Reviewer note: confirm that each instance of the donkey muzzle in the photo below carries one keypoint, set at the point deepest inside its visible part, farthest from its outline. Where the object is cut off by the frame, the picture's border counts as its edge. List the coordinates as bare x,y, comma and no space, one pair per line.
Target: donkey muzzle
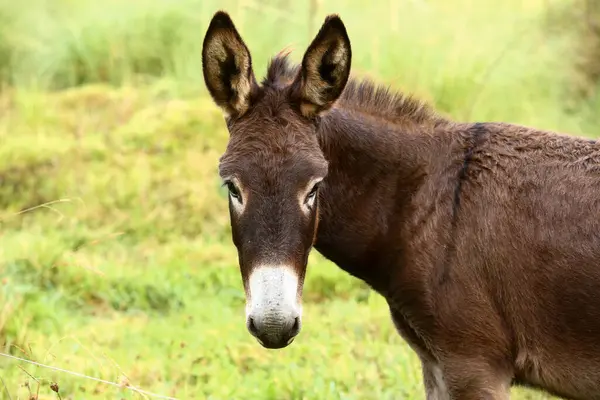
273,313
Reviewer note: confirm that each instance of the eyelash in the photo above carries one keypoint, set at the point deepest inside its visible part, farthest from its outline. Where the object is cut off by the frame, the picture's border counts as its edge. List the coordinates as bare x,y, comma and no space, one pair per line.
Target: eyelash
313,192
233,190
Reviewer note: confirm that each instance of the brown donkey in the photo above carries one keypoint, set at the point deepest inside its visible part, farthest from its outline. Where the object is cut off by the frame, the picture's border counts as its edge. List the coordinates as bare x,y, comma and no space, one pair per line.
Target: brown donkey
483,238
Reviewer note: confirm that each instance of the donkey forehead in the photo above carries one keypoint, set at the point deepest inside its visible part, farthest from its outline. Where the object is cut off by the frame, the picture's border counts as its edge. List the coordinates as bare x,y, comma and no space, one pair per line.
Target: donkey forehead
265,165
273,140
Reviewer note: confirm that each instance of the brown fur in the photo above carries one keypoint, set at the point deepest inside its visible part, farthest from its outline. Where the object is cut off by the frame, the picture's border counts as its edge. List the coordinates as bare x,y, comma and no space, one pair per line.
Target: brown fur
482,237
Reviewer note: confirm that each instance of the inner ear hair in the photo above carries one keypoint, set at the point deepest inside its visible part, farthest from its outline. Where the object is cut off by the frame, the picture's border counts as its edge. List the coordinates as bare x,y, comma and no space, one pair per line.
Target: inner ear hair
227,66
325,68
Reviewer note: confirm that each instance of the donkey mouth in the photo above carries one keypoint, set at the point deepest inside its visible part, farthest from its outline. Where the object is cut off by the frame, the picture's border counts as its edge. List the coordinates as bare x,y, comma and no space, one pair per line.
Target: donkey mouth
275,345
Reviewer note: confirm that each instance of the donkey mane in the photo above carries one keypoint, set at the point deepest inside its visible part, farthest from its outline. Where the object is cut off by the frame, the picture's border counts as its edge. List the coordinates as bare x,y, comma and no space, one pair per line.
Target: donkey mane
361,95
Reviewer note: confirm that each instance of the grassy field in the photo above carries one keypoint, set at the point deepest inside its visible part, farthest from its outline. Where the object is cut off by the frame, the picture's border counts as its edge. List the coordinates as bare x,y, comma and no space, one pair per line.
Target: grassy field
115,255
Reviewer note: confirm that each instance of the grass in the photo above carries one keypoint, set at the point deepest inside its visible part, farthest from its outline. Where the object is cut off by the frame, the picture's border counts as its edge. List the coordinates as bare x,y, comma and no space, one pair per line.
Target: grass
130,271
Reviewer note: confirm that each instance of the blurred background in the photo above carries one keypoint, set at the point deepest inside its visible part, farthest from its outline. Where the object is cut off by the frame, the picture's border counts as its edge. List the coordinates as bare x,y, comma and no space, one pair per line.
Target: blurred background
115,252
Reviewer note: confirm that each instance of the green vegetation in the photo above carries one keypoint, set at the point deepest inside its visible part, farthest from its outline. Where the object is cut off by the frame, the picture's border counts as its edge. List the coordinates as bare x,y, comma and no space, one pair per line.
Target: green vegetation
128,268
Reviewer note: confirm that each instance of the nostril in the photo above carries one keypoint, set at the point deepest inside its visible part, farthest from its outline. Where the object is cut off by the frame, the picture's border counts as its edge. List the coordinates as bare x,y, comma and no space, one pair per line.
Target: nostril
252,326
296,326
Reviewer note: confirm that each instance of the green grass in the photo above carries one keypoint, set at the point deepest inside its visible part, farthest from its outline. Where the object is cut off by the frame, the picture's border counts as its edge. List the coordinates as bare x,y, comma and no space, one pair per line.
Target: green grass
130,270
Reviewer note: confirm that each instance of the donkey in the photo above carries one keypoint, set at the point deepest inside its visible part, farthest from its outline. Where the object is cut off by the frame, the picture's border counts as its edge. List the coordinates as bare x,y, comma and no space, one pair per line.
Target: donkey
482,237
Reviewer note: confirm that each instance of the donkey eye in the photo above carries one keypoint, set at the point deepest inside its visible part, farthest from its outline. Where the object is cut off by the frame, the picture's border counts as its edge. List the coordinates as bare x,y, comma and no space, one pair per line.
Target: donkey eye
233,190
313,192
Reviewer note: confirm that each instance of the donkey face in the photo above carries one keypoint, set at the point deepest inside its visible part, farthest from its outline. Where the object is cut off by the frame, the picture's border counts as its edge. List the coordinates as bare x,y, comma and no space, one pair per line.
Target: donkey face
273,166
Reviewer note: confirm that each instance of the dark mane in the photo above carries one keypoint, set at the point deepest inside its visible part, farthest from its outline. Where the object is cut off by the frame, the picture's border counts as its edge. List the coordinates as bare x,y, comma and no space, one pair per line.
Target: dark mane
360,95
279,71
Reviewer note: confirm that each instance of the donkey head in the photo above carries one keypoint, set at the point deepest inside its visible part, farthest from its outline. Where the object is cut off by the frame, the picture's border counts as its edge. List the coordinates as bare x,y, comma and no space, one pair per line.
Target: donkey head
273,166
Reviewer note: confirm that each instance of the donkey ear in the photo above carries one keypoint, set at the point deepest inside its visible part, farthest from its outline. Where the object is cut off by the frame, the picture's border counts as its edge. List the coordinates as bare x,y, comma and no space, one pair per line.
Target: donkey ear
227,66
325,68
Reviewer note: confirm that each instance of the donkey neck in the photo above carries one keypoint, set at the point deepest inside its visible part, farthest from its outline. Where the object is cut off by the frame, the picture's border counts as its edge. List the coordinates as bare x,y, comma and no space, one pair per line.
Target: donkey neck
375,167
